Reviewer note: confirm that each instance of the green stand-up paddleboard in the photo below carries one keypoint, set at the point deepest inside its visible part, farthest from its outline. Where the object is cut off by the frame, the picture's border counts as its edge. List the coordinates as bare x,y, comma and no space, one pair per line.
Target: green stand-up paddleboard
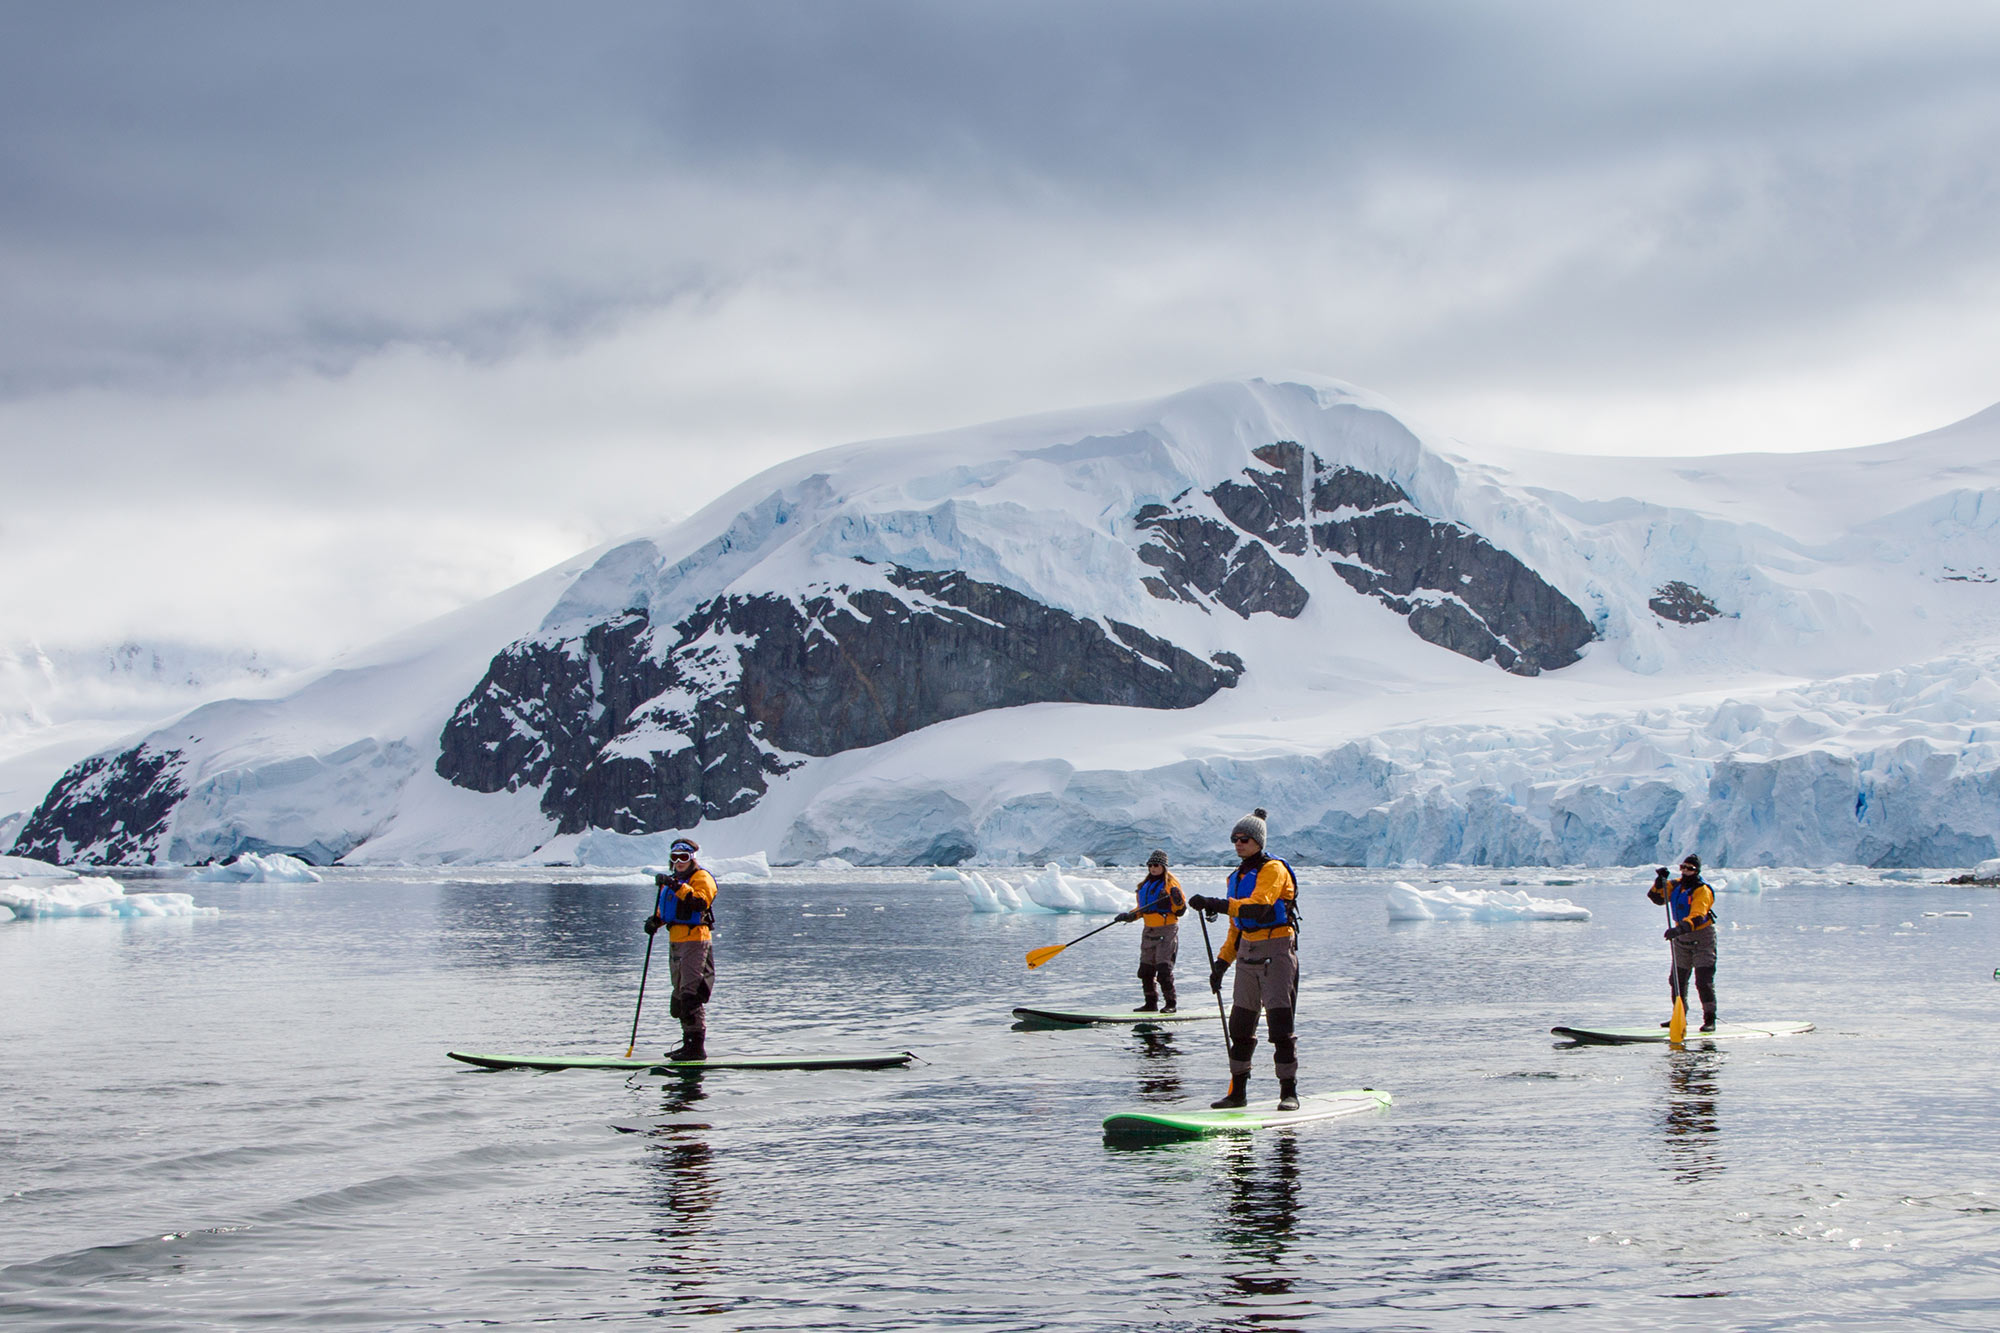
1658,1035
1138,1126
1085,1017
863,1060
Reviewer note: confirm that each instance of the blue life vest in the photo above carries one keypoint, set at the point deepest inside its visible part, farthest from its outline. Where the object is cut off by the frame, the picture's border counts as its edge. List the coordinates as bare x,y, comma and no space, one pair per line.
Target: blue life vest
1155,898
671,908
1681,900
1243,883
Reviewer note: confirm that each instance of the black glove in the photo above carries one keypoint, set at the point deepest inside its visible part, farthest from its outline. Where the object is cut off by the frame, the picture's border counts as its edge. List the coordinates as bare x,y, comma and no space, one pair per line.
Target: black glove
1201,902
1215,971
1667,934
1128,916
653,923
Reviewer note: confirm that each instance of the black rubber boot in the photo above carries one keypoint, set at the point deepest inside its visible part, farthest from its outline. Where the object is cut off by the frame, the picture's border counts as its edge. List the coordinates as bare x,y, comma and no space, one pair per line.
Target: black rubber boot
1235,1097
694,1042
1151,1006
1167,990
1288,1094
1708,1022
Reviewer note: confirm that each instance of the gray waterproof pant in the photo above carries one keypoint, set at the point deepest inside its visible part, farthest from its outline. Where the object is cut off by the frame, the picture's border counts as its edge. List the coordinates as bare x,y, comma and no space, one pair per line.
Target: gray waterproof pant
1158,947
1695,956
1267,978
692,966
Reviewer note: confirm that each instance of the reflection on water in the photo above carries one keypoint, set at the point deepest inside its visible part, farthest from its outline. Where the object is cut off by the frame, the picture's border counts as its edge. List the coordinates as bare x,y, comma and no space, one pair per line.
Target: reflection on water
1260,1212
1690,1121
682,1193
1159,1067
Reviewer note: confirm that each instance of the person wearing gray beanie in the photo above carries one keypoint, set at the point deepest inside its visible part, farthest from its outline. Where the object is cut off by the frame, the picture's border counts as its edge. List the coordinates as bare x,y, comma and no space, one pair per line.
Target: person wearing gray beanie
1161,906
1262,907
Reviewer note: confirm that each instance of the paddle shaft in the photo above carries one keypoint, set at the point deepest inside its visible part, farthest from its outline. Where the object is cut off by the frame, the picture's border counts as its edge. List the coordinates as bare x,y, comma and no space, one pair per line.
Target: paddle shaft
644,968
1677,1021
1034,962
1219,1012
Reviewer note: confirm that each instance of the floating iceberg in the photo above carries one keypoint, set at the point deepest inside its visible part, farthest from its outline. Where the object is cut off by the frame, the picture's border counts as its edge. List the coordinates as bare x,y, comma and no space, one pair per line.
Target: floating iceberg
1746,881
1058,892
1049,891
739,869
1407,902
86,895
253,868
1987,869
990,893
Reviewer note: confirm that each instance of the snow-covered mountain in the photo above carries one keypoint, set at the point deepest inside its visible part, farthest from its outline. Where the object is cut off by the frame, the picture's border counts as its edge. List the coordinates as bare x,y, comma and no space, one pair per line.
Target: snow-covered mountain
1105,630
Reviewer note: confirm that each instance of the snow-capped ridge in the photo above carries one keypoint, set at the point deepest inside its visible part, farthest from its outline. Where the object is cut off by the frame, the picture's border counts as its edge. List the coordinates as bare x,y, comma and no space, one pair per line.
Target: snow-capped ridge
1118,627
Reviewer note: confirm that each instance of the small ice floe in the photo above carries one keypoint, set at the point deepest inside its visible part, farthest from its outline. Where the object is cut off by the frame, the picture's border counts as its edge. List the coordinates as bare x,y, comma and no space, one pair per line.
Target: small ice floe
946,874
1049,891
1073,893
1752,880
1987,869
253,868
88,895
1407,902
1906,876
990,893
833,863
739,869
1965,914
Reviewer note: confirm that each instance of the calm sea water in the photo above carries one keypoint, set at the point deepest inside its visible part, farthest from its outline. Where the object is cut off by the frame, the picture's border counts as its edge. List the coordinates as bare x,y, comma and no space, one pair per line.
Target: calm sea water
249,1121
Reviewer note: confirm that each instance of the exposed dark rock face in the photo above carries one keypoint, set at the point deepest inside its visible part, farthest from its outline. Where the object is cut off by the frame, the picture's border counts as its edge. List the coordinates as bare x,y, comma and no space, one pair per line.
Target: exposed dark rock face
638,728
1200,559
109,809
1682,603
1272,505
1455,588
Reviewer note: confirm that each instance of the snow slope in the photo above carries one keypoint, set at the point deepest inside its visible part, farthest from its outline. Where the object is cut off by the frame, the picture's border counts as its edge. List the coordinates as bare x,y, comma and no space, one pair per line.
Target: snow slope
1820,689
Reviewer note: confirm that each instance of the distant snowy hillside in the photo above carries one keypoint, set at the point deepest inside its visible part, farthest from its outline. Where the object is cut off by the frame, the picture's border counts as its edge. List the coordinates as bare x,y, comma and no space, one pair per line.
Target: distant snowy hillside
1110,629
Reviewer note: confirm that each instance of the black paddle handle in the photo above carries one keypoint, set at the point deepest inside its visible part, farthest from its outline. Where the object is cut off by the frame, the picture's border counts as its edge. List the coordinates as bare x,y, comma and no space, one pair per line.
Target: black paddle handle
644,968
1088,933
1207,944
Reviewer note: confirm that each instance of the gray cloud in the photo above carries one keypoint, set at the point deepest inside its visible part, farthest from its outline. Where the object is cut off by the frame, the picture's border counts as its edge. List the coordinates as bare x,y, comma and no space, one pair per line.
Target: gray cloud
480,280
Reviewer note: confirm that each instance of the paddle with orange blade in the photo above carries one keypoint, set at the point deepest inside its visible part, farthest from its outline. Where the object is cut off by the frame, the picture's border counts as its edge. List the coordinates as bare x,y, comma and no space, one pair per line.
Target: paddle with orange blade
1036,957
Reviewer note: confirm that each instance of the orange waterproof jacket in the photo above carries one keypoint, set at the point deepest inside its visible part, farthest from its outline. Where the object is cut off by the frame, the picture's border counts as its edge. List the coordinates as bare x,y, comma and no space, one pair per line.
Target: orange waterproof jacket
1274,885
1172,898
687,905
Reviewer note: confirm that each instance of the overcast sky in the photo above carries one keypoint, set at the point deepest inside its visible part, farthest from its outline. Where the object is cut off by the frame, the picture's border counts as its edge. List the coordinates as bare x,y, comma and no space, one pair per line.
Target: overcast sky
317,322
